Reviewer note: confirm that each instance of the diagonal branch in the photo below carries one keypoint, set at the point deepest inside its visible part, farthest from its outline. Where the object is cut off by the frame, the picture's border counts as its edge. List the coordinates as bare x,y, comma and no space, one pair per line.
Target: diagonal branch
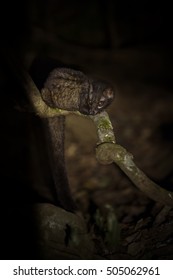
108,152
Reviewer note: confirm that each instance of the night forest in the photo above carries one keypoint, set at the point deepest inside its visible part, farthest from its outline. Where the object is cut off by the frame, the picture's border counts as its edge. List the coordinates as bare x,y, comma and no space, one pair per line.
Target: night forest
129,45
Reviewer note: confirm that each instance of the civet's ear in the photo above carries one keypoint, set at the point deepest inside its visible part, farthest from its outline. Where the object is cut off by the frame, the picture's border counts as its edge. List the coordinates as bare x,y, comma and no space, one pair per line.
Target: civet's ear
109,92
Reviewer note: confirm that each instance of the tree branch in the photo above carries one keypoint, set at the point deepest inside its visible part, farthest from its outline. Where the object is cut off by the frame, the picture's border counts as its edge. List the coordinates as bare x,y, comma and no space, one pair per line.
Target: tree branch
108,152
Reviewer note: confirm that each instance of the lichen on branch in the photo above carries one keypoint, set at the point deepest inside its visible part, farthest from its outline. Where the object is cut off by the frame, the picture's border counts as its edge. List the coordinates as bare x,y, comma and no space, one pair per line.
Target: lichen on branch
104,128
107,152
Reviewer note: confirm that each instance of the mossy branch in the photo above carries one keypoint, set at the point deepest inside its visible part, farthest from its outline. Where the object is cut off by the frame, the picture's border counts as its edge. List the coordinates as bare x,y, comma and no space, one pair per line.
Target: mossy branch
108,152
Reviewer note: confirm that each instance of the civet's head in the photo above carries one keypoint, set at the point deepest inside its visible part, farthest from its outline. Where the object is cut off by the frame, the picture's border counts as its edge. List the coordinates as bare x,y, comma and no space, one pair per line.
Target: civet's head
98,97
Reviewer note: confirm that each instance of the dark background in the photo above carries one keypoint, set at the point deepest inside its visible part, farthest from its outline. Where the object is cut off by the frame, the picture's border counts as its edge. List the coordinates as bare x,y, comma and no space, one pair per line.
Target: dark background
130,45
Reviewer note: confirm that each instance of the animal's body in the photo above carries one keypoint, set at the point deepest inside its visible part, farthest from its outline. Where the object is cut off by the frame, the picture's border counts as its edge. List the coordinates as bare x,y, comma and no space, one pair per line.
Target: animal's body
73,91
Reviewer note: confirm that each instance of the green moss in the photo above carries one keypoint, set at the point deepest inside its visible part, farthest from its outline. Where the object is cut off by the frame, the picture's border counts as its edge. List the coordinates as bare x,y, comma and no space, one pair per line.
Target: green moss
104,124
108,138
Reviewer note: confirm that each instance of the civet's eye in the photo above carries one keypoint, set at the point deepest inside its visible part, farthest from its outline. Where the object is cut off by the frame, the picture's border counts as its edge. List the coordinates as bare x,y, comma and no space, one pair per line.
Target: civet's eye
101,102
